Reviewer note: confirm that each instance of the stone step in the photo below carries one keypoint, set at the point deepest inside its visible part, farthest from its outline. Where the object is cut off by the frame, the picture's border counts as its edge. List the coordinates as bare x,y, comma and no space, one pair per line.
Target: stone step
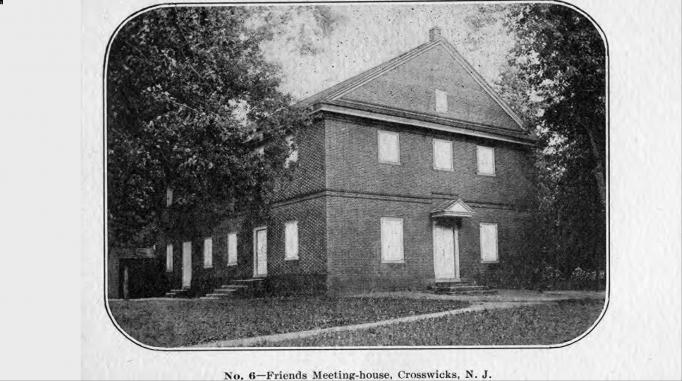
232,286
225,291
217,296
471,292
460,287
453,282
451,286
247,281
237,288
176,292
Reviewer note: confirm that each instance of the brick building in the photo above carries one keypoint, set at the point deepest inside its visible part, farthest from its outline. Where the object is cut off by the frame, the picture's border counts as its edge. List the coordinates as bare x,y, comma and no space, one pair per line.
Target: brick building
414,171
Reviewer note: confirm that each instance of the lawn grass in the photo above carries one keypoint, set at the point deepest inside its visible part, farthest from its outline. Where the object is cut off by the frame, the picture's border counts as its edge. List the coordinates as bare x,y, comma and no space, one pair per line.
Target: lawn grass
541,324
179,323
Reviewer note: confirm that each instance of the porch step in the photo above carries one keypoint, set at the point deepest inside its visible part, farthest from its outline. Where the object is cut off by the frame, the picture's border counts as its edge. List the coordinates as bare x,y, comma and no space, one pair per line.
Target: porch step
247,281
177,293
232,287
459,287
226,290
237,288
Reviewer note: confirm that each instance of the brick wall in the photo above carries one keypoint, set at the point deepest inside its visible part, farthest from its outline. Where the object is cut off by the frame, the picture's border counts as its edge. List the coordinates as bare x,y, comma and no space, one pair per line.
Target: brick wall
311,217
308,171
354,243
339,193
411,86
352,165
510,235
362,190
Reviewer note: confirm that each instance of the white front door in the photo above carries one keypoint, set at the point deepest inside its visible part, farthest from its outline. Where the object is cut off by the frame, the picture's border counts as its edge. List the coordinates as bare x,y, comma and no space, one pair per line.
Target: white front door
445,251
186,264
260,248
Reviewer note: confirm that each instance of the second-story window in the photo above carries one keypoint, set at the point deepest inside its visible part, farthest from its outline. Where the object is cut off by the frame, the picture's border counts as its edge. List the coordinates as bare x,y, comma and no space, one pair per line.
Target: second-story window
389,147
442,154
485,158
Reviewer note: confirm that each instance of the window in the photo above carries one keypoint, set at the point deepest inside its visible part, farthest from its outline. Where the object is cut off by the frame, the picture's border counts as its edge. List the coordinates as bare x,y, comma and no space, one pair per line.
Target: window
488,242
293,155
485,156
441,101
392,240
232,249
208,253
291,240
389,147
442,154
169,258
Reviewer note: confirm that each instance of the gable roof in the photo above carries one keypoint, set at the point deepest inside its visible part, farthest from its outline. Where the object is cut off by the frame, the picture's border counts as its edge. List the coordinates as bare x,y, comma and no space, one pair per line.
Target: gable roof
342,87
343,98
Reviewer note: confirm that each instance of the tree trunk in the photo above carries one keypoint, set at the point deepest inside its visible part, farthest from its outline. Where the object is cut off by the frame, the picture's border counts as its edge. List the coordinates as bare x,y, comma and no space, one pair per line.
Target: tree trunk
598,171
599,176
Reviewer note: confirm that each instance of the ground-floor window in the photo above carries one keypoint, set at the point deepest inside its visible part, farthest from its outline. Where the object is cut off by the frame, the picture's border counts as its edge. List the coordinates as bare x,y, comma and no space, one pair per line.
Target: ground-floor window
208,253
169,257
291,240
488,242
392,240
232,249
260,251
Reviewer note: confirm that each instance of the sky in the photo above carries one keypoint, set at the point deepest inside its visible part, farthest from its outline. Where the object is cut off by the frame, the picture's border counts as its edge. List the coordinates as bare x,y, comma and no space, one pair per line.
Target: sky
365,35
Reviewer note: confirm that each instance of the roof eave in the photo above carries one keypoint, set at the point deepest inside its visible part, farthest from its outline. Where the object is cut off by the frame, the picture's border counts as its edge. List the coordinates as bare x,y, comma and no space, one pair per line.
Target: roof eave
424,121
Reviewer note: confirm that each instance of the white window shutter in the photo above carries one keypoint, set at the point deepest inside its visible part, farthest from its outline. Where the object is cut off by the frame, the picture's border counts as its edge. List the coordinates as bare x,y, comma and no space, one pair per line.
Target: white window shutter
486,160
392,239
441,101
488,234
208,253
169,257
442,154
389,147
291,240
232,249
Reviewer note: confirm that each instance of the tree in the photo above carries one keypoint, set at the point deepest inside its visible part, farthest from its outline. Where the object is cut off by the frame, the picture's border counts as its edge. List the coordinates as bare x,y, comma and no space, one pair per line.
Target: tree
189,99
555,79
561,55
556,73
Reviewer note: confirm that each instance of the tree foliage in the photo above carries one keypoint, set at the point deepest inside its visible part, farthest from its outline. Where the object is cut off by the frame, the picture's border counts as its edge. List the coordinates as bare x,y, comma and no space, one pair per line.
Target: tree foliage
556,77
189,97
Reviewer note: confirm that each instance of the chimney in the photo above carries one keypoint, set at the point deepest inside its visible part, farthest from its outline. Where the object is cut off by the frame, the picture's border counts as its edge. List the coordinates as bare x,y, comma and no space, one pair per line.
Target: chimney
434,34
